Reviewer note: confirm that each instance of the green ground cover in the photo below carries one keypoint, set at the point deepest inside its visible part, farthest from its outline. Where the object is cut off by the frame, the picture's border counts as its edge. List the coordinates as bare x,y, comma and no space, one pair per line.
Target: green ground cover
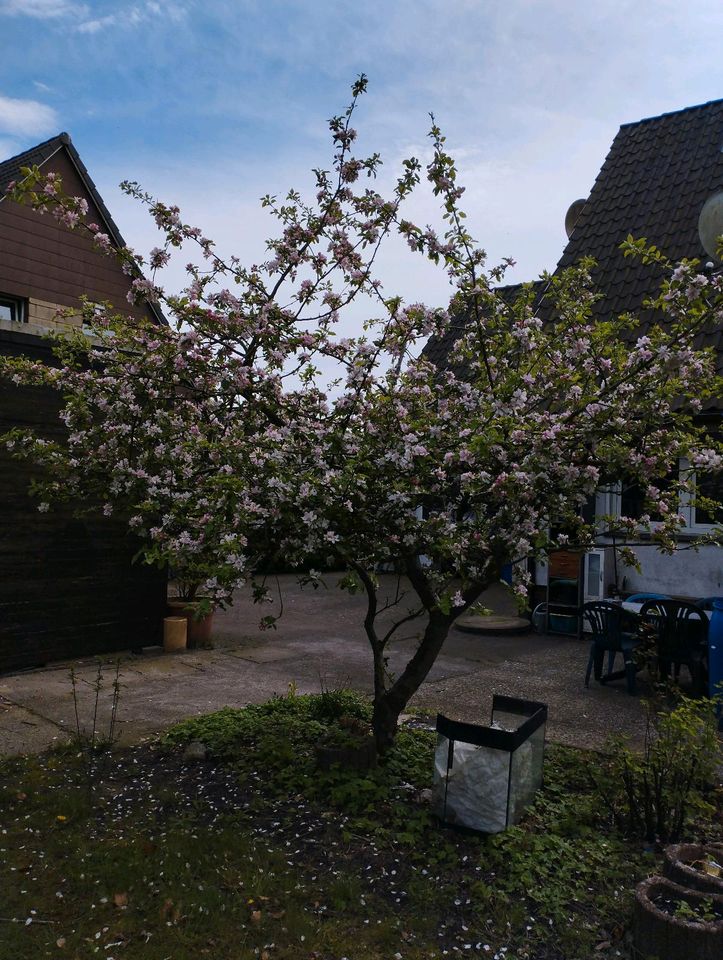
255,853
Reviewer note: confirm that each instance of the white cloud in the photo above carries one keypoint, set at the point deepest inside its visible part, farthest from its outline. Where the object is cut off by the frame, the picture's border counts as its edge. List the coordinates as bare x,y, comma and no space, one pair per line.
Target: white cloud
42,9
129,15
26,117
93,26
132,16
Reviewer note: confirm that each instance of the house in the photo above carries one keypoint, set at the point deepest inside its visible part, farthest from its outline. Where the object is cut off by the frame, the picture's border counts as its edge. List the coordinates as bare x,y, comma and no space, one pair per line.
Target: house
67,585
654,182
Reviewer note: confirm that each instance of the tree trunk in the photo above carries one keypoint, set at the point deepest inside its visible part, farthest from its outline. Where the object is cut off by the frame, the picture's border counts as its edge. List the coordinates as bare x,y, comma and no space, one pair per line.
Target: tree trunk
388,704
384,724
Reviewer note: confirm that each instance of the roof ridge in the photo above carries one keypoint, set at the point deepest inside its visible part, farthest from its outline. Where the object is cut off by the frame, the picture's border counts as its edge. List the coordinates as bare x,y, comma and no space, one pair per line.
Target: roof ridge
40,154
518,283
672,113
60,139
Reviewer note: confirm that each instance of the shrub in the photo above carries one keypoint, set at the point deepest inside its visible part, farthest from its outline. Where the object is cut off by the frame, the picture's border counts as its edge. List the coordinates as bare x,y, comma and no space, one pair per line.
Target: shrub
652,793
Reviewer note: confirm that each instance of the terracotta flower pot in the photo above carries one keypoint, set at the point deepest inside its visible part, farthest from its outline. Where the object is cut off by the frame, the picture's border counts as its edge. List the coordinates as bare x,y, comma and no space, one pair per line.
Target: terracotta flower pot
199,630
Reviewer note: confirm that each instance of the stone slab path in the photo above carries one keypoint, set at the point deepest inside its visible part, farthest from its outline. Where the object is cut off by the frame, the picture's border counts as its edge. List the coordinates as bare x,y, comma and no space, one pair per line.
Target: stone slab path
319,643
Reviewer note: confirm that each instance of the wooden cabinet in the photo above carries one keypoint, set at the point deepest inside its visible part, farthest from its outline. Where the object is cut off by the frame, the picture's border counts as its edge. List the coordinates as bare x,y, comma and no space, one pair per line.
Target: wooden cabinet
564,592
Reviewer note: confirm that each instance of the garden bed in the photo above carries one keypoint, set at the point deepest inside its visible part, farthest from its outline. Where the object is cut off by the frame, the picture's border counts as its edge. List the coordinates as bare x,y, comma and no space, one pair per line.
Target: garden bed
256,853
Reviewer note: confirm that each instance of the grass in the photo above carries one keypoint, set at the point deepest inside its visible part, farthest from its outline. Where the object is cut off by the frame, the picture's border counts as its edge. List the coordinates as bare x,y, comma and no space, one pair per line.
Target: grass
254,853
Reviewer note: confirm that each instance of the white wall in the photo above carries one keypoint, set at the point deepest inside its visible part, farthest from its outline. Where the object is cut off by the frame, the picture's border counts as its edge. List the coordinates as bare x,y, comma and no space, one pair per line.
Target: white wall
687,573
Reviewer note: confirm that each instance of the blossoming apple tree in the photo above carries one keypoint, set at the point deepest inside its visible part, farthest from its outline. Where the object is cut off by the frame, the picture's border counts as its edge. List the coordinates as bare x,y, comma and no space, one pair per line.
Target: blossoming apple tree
451,474
216,434
174,425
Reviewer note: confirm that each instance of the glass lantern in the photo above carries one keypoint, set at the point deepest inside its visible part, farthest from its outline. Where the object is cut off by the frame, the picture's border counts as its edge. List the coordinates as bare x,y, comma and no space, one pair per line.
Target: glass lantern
485,777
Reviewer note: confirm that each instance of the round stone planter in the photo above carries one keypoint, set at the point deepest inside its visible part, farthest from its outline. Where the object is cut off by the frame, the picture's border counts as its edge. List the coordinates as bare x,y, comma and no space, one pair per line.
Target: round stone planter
361,756
666,937
677,866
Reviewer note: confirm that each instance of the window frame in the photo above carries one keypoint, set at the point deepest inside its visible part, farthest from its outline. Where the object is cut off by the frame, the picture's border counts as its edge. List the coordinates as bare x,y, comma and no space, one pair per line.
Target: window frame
686,505
18,308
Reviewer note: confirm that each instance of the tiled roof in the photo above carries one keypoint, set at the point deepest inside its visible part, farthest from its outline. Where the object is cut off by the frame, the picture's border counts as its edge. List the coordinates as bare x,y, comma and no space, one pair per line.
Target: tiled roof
653,184
10,169
42,152
437,348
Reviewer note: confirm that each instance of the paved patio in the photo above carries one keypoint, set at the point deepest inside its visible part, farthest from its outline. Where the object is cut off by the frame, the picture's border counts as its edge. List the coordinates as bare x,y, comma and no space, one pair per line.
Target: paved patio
319,643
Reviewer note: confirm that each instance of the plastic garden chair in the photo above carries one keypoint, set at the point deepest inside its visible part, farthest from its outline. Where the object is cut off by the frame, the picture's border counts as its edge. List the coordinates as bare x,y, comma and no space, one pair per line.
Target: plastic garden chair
614,630
681,635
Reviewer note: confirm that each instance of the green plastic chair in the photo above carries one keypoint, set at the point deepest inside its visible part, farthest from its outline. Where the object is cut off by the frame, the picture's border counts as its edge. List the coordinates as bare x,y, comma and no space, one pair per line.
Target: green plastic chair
614,630
681,638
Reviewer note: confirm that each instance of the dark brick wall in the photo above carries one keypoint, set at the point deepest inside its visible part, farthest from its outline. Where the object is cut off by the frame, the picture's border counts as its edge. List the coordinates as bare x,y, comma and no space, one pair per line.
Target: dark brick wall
67,584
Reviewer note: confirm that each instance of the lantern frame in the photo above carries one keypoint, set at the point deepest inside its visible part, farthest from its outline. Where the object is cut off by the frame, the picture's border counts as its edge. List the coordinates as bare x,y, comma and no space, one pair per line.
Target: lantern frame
517,729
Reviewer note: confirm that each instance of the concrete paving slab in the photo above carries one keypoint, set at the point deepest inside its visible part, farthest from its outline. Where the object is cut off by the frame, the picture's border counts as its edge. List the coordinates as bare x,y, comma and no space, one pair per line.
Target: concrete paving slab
320,643
266,654
24,732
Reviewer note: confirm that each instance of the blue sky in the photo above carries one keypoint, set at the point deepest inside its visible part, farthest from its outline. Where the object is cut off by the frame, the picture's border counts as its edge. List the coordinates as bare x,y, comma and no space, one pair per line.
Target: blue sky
211,104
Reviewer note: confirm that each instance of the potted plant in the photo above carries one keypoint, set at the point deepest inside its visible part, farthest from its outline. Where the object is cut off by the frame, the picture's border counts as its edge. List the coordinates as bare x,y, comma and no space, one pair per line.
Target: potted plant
673,923
198,610
204,578
696,866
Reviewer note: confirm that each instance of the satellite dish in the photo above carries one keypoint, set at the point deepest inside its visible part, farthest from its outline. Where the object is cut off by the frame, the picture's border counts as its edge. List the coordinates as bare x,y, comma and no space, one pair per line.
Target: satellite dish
573,215
710,223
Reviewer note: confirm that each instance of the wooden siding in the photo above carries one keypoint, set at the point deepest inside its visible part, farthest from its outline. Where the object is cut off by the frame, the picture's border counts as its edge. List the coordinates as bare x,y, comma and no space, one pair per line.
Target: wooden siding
67,584
43,260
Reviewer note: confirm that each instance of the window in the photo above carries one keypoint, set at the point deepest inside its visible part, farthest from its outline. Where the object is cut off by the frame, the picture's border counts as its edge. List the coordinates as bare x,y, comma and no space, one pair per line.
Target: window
632,500
632,497
709,486
13,309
